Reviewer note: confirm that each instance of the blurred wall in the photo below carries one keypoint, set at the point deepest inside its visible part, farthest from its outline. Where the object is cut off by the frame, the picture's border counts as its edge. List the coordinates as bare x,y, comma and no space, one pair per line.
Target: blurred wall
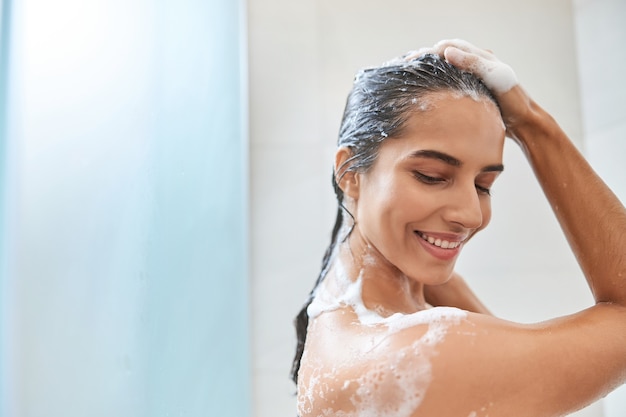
303,56
124,276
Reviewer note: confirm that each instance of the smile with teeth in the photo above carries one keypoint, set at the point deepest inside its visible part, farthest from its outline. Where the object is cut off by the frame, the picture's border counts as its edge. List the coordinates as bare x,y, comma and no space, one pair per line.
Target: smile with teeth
440,243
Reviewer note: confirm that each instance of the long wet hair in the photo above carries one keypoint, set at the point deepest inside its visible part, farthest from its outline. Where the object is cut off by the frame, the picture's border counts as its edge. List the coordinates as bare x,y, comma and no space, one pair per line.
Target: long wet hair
377,108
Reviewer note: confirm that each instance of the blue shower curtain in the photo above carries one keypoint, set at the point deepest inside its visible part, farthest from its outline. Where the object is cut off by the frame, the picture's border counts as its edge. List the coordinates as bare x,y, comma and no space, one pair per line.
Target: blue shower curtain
124,168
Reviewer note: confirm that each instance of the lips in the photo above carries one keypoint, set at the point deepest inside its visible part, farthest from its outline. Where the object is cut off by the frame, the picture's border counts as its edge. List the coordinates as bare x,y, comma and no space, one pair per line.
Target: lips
442,242
441,246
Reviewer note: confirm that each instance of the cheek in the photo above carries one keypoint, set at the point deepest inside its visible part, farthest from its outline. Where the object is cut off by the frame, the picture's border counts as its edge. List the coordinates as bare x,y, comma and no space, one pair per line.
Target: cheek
383,212
377,197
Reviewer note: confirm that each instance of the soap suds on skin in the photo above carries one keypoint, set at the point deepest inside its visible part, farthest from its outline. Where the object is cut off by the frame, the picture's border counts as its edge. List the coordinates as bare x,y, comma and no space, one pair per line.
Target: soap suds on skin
497,76
351,297
395,384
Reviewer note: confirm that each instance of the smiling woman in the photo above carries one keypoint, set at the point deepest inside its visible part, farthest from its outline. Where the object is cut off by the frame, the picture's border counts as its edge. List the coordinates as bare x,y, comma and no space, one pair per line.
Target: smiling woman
390,329
432,182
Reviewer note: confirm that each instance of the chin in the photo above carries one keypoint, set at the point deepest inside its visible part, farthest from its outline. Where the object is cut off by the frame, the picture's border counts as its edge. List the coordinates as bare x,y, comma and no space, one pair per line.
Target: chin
433,277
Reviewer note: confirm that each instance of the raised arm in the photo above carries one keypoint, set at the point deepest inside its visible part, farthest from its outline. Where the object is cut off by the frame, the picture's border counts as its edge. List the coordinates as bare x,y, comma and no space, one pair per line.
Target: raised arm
556,367
591,216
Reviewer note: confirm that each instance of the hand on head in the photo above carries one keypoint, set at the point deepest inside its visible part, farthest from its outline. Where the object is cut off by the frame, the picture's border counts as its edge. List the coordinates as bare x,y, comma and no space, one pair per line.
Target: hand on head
516,106
497,75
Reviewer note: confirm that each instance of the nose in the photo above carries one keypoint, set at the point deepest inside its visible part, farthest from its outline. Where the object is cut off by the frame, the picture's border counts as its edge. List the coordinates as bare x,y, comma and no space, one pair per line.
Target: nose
464,206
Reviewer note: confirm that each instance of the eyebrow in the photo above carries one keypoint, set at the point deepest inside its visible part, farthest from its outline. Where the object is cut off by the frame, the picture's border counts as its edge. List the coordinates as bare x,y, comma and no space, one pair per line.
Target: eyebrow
451,160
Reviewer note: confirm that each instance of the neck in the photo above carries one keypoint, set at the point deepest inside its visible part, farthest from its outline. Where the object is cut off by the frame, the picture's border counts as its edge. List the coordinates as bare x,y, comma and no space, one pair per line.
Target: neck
384,288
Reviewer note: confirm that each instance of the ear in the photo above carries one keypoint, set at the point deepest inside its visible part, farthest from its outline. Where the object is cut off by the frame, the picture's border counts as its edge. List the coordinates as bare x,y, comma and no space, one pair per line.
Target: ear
347,180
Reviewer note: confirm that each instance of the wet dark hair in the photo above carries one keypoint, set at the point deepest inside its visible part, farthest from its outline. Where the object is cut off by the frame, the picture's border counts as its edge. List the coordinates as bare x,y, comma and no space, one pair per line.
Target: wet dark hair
381,101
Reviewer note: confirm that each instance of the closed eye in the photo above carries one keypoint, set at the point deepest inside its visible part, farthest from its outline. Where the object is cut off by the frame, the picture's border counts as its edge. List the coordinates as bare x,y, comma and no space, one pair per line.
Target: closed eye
427,179
483,190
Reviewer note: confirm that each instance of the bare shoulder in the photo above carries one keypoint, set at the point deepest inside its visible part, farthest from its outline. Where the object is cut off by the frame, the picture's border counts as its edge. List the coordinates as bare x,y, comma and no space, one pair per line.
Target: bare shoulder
547,369
448,362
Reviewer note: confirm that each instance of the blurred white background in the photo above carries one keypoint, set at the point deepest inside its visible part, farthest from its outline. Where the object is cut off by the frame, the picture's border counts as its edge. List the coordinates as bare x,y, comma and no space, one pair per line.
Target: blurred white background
570,57
123,223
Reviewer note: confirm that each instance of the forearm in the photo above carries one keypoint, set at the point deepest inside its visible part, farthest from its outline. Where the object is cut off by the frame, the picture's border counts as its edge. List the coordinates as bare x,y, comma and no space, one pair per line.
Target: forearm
591,216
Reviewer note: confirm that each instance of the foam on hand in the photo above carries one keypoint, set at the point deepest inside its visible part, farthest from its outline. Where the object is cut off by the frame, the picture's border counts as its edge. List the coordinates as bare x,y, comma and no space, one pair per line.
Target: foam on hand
497,76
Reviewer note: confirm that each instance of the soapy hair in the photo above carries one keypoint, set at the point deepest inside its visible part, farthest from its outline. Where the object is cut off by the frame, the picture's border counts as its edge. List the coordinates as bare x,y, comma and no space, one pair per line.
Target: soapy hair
381,101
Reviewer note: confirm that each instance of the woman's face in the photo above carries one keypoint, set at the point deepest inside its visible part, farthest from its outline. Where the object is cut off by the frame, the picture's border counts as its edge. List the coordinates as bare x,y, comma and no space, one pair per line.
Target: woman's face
428,191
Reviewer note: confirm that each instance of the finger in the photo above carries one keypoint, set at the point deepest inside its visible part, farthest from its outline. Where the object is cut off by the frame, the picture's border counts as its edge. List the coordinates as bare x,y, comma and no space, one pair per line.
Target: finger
464,60
497,76
462,45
